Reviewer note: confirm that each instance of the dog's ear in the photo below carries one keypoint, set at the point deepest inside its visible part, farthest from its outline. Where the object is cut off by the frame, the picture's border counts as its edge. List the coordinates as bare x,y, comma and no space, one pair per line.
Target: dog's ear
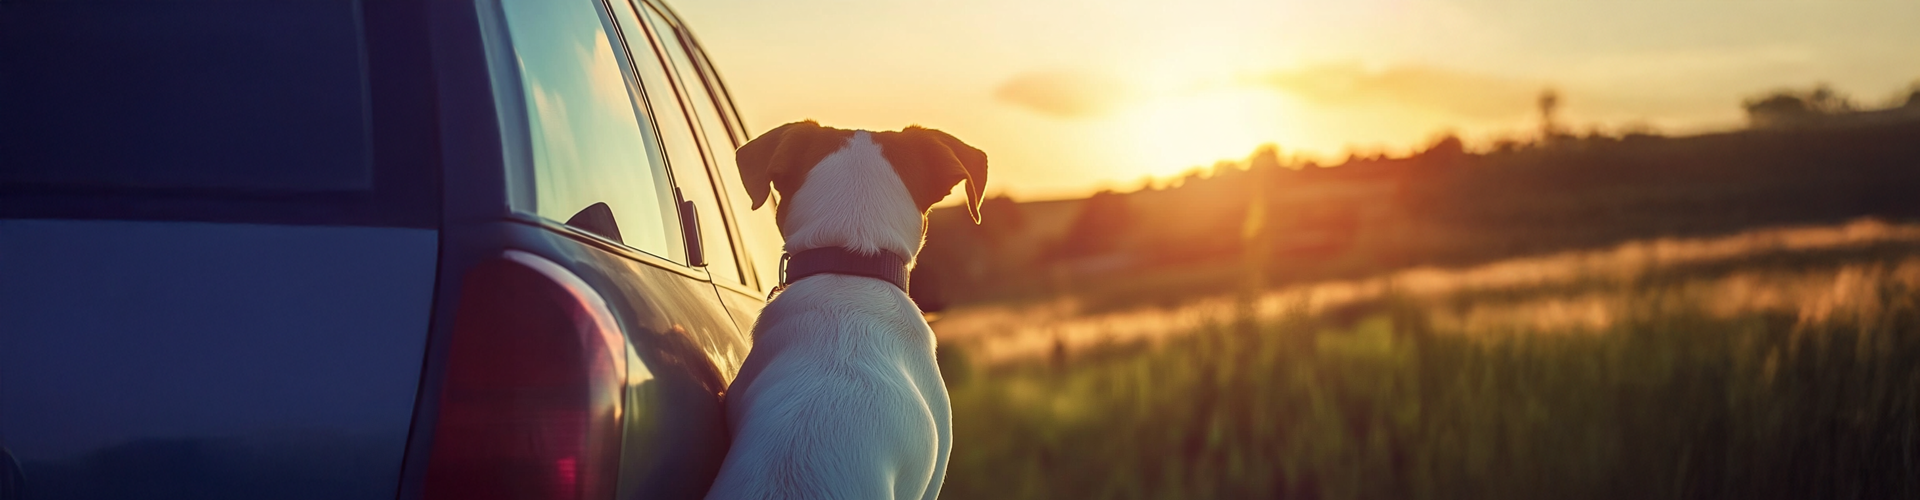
930,162
784,155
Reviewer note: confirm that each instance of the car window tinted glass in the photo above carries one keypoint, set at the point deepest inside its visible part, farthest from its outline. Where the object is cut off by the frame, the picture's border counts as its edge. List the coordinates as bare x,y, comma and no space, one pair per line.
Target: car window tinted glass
262,96
588,146
719,87
683,149
759,237
704,111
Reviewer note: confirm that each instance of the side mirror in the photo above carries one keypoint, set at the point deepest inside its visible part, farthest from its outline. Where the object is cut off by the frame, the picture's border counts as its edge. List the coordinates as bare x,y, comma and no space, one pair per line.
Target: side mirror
690,230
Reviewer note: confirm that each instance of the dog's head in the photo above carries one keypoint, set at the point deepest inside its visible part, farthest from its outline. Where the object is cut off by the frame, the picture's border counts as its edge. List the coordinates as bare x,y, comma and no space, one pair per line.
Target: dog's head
866,191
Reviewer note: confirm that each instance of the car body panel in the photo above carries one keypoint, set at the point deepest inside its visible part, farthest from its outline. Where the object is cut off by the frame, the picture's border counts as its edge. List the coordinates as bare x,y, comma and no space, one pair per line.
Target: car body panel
209,413
745,306
685,346
684,350
146,358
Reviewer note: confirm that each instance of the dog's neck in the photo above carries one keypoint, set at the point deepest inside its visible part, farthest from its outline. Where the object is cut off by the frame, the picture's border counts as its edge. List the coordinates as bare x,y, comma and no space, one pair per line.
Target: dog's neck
853,199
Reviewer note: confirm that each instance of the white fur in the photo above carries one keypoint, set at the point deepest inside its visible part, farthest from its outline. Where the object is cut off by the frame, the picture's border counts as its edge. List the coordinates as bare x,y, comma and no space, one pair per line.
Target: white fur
854,200
841,397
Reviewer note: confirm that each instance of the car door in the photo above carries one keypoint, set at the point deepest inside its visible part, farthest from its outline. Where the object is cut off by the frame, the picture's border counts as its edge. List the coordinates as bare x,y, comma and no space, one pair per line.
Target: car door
580,192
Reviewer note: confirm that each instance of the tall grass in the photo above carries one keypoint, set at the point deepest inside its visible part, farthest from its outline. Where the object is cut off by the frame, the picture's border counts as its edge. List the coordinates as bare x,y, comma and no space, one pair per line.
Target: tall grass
1667,403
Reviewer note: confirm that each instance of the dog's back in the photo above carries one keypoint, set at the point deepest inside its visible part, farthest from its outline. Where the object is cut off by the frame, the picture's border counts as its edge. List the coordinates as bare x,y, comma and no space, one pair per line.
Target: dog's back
841,397
840,362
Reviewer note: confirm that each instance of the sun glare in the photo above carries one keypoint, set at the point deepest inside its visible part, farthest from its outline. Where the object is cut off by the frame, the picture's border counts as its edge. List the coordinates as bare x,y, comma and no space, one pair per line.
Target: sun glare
1173,133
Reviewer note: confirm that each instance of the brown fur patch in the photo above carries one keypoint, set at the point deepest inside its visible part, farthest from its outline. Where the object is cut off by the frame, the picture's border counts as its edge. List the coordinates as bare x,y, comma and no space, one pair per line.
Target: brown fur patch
930,162
780,159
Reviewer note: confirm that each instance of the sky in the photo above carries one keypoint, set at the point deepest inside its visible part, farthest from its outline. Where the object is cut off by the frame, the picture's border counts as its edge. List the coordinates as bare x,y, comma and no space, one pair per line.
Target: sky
1071,96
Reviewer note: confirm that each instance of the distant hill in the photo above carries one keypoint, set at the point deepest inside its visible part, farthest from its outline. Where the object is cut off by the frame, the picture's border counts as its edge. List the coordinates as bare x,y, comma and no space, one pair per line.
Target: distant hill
1263,223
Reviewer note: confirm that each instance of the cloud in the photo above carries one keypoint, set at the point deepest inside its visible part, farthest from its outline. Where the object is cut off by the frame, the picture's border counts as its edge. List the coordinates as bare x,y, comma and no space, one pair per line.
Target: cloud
1064,94
1438,89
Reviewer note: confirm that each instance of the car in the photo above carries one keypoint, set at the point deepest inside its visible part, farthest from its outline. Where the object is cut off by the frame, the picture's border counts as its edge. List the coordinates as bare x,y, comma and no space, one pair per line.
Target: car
355,249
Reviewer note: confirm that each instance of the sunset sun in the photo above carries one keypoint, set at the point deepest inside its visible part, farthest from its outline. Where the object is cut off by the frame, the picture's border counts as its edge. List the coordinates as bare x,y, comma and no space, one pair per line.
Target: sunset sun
1169,134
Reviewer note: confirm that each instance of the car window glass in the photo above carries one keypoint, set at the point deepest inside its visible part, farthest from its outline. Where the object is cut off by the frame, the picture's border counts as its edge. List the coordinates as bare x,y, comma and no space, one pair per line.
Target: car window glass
700,85
759,236
588,144
719,88
185,97
683,150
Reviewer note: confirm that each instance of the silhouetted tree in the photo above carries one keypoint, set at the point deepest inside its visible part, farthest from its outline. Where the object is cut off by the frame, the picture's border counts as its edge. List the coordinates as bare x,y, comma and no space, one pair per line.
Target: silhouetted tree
1822,99
1549,103
1789,108
1778,110
1007,220
1097,229
1264,158
1446,148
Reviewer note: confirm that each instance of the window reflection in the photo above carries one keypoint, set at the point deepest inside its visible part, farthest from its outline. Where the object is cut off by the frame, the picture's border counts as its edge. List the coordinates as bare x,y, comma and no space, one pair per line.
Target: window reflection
588,145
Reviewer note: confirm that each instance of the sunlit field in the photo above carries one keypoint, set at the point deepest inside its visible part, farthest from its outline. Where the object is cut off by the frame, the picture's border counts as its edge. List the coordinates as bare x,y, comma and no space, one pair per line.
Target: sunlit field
1808,273
1774,363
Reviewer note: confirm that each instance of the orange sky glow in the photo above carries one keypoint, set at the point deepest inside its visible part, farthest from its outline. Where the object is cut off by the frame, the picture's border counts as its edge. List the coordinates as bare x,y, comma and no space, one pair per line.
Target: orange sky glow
1068,97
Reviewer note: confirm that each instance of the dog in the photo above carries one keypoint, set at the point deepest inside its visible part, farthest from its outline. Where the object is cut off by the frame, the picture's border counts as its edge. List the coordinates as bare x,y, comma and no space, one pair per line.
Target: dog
840,397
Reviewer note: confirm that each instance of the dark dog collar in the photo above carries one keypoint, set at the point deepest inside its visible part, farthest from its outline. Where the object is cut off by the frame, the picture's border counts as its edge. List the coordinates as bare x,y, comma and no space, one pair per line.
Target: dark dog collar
883,266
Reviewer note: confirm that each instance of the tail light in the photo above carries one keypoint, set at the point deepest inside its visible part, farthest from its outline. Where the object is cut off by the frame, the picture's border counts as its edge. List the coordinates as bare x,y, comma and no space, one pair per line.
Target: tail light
531,404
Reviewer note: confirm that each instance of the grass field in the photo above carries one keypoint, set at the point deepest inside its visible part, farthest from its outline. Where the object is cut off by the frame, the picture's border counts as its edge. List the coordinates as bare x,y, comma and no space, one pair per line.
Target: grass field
1774,364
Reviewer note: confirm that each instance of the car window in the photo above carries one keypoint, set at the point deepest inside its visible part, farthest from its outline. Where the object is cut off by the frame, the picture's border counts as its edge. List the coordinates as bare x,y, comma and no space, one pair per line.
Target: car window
684,154
698,94
249,97
719,87
760,238
589,146
303,112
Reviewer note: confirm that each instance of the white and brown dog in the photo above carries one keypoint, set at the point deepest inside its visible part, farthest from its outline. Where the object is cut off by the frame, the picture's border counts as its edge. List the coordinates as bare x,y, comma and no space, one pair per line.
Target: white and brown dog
840,397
